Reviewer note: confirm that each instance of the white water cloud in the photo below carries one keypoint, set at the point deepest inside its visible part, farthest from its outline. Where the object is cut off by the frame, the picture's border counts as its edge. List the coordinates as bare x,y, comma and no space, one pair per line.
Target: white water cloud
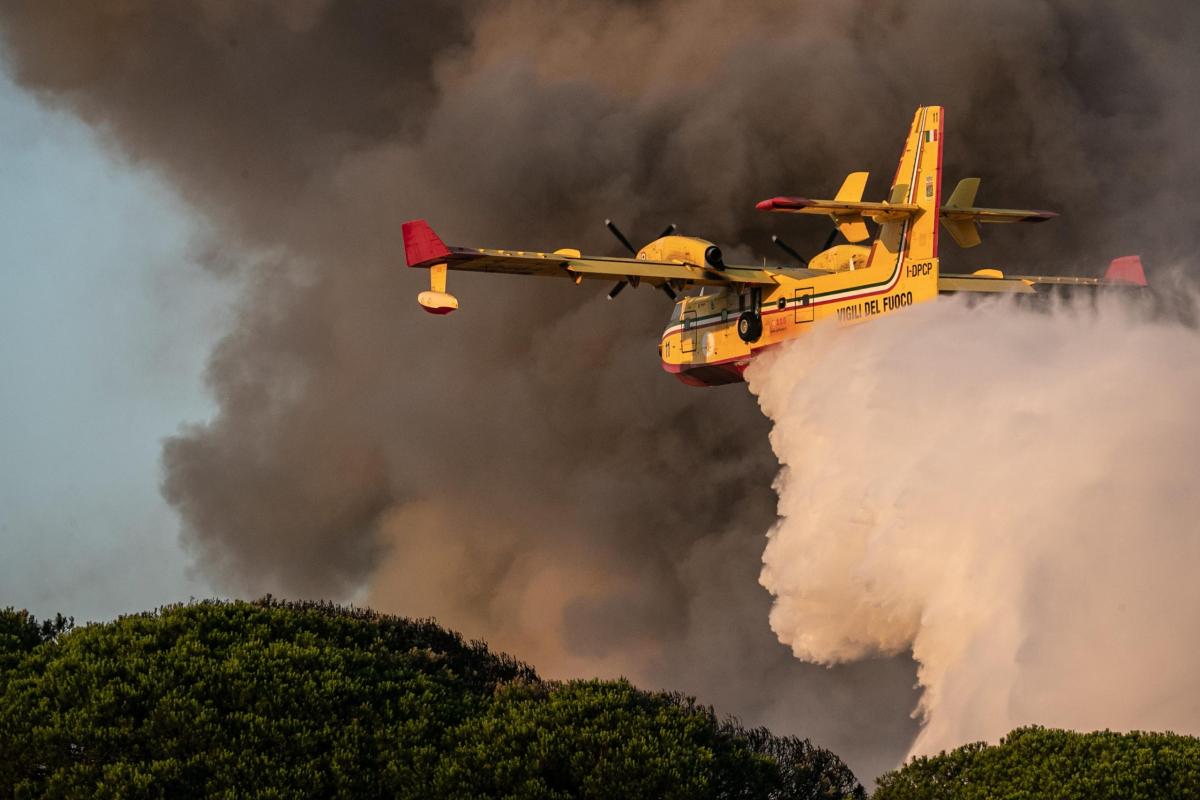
1009,493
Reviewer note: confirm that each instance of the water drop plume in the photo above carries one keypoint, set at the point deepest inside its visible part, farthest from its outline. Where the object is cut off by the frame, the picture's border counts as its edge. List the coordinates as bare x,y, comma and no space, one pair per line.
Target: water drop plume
1008,493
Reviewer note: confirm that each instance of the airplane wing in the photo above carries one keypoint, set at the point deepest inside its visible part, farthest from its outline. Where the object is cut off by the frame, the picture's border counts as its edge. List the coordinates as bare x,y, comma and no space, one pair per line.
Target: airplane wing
424,248
1126,271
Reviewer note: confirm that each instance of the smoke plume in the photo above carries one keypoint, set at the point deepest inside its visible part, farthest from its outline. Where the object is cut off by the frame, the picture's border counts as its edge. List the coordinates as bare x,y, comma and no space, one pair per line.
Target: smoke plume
1008,494
524,469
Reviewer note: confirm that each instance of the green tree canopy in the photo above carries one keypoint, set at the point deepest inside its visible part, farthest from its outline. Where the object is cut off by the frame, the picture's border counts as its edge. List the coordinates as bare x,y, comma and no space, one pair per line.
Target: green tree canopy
282,700
608,739
1035,763
20,633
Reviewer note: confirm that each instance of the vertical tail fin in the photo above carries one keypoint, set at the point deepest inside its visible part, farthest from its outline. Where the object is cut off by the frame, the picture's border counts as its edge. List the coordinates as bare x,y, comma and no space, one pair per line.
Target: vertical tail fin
909,242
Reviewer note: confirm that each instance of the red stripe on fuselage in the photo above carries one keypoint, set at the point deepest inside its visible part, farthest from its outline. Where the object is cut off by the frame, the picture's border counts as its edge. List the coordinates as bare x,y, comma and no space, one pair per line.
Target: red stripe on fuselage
941,131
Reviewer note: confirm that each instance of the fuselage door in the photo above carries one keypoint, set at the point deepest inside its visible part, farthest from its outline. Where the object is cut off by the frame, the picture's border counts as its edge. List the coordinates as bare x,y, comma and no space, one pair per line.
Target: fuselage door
804,305
689,332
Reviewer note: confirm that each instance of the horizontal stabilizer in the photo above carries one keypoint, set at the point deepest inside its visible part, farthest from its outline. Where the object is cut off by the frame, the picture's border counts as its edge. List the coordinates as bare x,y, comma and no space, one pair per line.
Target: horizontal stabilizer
847,209
962,218
880,212
959,215
997,215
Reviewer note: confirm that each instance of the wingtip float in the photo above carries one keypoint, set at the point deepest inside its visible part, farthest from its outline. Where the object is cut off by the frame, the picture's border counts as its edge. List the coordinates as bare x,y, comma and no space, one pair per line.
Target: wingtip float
424,248
712,336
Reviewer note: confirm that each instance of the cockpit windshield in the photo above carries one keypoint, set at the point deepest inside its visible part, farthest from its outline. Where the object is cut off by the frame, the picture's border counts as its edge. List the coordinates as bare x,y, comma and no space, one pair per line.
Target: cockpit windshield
677,312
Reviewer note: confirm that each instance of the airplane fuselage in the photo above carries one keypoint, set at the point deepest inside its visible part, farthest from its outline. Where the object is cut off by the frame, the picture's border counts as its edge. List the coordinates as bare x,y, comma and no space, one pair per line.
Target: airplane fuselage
712,338
740,311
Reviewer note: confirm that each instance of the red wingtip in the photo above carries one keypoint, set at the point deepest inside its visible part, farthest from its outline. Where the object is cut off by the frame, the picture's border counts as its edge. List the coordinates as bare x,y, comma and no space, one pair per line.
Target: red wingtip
782,204
1040,216
1127,270
421,244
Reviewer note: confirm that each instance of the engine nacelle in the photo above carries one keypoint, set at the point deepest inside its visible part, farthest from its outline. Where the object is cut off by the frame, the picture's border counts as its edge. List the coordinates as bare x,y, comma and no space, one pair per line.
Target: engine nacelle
841,257
438,302
683,250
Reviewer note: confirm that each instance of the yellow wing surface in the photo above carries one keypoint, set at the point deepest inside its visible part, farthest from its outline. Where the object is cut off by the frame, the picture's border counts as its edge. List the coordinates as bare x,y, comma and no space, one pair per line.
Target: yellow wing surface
1126,271
672,261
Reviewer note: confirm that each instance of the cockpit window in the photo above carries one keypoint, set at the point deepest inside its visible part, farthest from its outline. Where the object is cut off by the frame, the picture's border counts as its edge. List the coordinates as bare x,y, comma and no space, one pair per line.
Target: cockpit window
677,312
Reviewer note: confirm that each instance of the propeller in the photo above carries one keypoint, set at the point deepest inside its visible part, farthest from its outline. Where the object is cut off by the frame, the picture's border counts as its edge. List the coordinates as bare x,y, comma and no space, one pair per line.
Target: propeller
791,251
833,234
615,231
787,248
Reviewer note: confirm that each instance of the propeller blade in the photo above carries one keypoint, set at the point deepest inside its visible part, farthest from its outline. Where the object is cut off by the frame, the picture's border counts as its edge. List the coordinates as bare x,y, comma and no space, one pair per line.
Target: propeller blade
667,231
666,287
616,290
829,242
608,223
787,248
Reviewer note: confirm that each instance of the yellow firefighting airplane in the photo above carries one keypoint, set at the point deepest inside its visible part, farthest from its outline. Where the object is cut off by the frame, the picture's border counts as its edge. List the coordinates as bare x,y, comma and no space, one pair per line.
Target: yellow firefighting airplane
713,336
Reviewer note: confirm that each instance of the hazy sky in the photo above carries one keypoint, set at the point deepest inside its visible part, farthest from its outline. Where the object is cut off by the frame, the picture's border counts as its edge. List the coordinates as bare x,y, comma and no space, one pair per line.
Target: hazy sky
105,323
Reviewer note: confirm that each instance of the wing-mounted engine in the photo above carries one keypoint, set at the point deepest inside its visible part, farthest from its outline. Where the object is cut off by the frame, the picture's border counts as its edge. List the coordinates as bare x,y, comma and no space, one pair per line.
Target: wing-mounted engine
840,258
684,250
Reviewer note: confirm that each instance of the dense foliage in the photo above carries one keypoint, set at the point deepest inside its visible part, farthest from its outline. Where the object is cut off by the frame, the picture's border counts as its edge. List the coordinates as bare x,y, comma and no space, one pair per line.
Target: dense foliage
608,739
273,699
1034,763
20,633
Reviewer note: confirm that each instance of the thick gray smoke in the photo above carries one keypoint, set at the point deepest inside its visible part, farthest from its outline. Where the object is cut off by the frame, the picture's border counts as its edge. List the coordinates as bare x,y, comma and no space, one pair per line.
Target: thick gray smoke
1009,495
524,469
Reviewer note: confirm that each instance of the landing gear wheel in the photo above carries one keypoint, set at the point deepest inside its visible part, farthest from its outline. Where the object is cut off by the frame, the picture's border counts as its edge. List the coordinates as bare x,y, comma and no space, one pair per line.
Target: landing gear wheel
749,326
